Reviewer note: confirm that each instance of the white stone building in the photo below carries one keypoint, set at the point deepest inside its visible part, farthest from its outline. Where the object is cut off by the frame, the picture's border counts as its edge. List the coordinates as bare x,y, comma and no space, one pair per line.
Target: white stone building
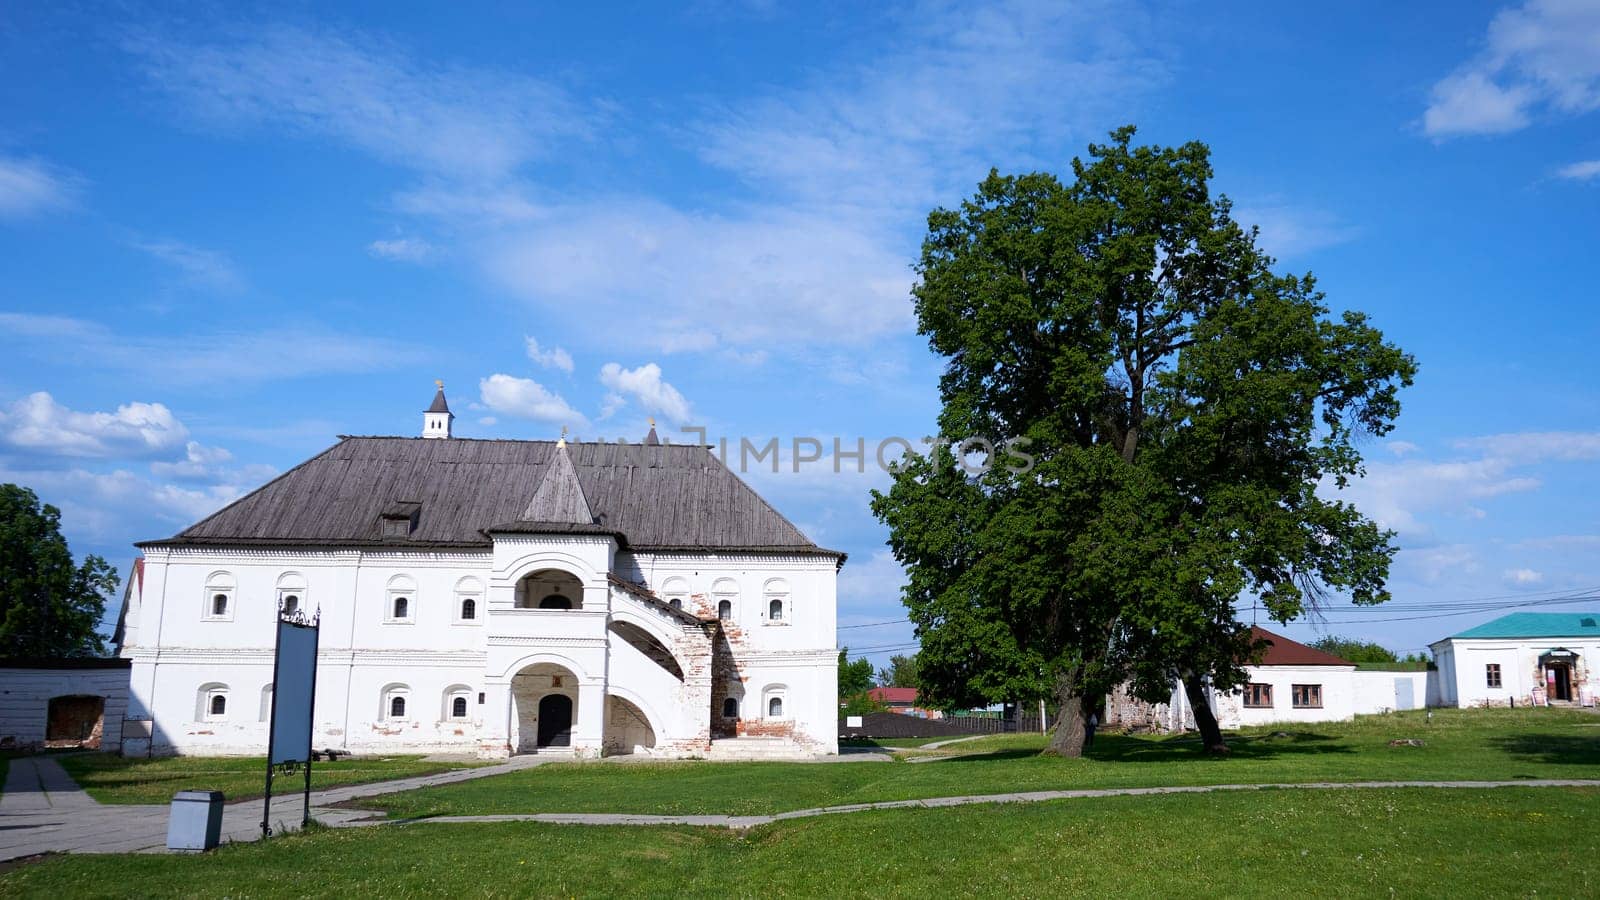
1521,659
1290,683
497,597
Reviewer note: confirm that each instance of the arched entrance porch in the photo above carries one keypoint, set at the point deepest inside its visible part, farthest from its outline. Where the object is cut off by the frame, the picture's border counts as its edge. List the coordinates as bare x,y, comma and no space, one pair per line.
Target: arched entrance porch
544,701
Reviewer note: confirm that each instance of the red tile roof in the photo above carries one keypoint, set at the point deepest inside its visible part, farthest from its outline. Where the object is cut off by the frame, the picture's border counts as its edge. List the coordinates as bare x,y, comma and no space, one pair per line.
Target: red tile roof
1283,652
893,694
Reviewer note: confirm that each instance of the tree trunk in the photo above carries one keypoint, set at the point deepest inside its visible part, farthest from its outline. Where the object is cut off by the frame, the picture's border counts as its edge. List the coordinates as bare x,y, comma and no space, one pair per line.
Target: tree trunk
1066,739
1204,719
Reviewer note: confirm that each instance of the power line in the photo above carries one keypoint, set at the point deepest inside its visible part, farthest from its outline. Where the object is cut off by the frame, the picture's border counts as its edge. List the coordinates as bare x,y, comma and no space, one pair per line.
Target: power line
873,624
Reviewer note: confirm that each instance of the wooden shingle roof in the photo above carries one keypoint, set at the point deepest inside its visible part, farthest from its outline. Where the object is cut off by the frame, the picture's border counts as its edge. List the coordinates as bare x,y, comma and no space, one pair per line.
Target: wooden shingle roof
659,497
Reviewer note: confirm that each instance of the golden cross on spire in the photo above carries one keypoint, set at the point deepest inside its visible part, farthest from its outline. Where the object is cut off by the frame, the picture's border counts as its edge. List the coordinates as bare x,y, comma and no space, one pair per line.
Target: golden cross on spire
438,384
563,441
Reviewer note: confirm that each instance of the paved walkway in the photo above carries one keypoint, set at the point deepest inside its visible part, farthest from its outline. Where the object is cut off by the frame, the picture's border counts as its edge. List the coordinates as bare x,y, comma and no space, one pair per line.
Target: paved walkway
44,811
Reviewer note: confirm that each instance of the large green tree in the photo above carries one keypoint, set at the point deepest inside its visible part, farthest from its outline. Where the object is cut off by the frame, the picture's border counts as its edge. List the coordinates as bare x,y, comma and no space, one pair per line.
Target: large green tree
855,676
1356,651
1180,405
49,607
901,672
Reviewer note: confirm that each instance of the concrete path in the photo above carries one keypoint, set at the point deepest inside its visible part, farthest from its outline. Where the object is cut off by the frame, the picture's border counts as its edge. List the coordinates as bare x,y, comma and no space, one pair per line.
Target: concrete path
43,811
716,821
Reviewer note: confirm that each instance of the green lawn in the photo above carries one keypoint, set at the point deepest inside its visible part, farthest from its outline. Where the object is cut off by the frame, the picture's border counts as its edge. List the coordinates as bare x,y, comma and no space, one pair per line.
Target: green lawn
1368,843
1459,745
112,779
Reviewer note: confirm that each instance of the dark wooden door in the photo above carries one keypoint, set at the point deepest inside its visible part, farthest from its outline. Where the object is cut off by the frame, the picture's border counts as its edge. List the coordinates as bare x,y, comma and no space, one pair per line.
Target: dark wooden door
555,721
1563,682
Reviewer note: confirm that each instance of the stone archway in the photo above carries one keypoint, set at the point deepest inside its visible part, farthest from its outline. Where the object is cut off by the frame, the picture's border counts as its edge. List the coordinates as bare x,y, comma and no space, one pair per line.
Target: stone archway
544,700
628,729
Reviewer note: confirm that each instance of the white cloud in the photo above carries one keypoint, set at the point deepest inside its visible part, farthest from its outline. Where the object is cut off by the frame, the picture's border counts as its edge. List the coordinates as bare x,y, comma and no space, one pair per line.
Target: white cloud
1523,576
37,423
1537,446
368,94
1580,171
247,355
1288,231
112,505
645,387
553,358
29,186
1541,57
840,169
1401,448
199,267
402,249
1402,495
690,281
524,398
202,463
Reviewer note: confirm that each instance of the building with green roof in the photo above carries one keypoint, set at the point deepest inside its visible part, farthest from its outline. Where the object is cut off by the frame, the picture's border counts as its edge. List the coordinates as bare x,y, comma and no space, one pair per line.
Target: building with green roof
1522,658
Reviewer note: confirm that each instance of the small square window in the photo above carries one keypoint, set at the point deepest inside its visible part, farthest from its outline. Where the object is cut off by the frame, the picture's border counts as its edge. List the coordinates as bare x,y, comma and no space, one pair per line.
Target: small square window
1257,694
1492,674
1307,696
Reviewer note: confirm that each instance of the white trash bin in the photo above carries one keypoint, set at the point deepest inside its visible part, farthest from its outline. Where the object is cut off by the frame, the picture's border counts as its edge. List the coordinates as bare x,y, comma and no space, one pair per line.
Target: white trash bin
195,823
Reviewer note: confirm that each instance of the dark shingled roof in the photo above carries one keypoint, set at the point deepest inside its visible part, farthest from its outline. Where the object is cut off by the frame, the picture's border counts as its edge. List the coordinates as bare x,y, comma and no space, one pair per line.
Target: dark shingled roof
652,497
438,404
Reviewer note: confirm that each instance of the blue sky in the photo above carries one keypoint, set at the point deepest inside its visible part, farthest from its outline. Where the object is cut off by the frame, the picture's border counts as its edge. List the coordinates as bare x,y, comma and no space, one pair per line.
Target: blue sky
230,235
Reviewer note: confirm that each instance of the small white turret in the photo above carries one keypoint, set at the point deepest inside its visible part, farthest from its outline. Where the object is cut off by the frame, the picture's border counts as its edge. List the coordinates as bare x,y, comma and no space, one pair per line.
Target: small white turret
436,421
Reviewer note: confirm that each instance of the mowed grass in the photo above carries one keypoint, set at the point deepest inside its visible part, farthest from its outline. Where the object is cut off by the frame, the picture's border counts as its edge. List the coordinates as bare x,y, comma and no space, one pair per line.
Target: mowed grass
1459,745
1270,843
112,779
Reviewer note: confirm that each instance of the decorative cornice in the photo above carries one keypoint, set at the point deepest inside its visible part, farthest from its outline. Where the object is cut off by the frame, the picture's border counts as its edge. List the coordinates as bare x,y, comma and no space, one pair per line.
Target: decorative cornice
312,556
517,640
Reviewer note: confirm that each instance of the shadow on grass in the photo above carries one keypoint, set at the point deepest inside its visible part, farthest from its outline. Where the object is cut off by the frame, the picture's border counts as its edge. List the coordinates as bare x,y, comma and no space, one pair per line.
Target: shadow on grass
1121,748
1575,750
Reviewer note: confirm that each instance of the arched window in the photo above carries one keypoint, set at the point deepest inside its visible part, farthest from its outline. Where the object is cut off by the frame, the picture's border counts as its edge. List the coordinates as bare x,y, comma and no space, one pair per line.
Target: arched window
220,589
402,589
291,592
211,702
457,703
396,700
730,708
549,589
675,591
776,595
726,593
469,591
774,698
266,703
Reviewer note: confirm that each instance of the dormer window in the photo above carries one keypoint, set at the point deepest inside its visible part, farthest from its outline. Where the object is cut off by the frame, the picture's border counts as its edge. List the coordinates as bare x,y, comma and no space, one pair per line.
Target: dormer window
399,519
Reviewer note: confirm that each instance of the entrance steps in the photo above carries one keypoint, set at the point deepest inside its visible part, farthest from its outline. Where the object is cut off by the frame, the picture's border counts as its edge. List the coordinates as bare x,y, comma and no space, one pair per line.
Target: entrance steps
757,748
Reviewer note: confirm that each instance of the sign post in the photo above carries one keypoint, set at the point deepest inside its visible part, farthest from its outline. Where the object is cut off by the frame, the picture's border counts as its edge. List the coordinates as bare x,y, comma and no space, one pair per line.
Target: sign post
294,688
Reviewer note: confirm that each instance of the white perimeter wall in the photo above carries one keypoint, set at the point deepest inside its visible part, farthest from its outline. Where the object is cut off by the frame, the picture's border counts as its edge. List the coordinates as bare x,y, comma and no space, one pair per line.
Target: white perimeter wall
25,702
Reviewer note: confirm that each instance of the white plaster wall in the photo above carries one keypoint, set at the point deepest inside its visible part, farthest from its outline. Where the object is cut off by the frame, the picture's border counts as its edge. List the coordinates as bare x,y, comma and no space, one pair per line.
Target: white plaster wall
1338,695
1378,691
1464,676
25,702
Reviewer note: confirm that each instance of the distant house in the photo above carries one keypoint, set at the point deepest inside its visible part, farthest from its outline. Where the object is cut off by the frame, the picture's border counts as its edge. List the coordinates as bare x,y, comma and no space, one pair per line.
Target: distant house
1290,683
903,700
1524,658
